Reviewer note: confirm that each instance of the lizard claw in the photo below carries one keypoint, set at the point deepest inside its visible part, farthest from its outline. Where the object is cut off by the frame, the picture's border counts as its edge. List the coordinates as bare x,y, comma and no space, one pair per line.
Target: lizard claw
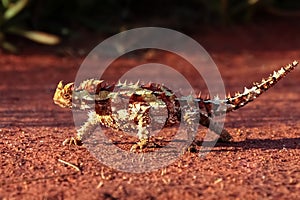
72,141
141,145
192,148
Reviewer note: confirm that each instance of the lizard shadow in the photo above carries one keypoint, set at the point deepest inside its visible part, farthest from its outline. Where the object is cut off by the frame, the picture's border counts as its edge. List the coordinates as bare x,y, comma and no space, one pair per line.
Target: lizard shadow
264,144
267,144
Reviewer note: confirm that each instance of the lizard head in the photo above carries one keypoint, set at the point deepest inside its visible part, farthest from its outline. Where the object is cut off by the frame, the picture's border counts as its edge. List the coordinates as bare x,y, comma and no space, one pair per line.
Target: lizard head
63,95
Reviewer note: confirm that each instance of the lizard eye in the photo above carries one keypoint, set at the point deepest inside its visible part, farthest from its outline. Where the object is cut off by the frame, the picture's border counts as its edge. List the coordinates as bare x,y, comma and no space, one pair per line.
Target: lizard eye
66,96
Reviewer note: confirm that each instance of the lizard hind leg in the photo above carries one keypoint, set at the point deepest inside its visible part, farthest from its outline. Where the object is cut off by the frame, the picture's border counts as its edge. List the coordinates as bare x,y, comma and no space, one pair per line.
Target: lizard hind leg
215,127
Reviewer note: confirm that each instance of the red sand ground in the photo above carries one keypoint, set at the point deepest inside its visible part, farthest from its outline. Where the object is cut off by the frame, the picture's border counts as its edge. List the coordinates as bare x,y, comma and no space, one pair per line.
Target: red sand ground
262,162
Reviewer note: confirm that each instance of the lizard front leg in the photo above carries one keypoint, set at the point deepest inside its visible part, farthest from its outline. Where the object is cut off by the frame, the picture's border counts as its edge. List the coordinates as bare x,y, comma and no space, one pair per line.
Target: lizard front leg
89,126
84,131
142,118
143,135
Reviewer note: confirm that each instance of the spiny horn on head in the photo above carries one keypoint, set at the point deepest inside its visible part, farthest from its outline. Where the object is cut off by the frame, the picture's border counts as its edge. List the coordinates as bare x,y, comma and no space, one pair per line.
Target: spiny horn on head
241,99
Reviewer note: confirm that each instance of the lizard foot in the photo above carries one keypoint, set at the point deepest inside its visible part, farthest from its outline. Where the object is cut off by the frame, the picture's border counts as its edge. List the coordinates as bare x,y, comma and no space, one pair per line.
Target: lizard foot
141,145
192,148
72,141
225,136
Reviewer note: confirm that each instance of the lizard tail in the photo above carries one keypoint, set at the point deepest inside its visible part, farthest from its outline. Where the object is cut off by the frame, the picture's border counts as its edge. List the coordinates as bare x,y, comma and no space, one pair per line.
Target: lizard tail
241,99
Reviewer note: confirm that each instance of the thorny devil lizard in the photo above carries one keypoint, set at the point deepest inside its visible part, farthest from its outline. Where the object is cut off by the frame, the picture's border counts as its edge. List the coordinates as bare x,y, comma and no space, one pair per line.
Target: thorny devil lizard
97,97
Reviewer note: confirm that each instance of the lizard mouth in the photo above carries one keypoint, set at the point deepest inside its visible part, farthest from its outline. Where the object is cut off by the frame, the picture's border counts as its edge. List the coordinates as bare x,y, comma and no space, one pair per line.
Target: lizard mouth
62,104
